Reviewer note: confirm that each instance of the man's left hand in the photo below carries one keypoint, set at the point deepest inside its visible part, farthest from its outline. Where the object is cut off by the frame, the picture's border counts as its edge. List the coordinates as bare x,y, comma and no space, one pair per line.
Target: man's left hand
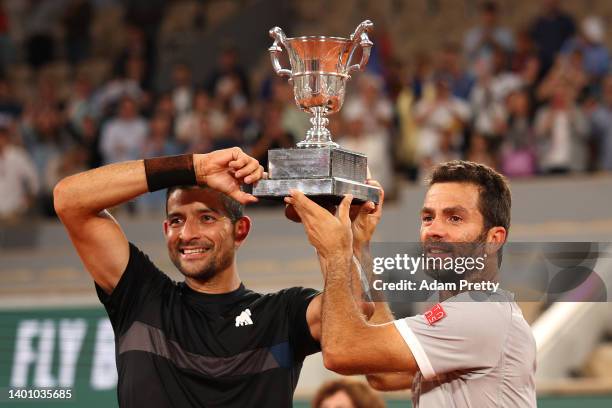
365,218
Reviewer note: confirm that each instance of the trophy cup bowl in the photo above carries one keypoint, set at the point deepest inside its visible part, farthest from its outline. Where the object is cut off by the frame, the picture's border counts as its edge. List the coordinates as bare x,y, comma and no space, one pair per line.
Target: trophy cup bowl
320,68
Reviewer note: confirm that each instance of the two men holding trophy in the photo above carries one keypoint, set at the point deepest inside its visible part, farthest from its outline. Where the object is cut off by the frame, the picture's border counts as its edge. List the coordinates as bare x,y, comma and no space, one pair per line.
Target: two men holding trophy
209,341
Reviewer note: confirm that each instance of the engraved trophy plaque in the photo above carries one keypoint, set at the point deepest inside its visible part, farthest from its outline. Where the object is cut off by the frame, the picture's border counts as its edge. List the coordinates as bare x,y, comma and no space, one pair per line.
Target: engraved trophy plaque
320,67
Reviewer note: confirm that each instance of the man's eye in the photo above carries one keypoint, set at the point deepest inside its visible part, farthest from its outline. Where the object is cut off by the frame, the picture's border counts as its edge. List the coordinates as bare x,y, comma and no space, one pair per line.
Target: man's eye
174,221
426,218
455,218
208,218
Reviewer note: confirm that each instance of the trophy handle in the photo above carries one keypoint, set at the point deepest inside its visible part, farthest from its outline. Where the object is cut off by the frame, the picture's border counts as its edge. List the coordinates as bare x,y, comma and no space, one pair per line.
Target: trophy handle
361,35
275,49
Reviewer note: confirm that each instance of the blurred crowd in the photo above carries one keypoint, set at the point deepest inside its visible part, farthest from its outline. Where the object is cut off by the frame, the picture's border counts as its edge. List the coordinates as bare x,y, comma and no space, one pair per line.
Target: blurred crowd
527,102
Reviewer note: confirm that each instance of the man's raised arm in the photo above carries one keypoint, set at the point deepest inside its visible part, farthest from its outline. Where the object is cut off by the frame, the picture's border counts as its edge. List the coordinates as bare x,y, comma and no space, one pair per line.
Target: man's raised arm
81,200
350,345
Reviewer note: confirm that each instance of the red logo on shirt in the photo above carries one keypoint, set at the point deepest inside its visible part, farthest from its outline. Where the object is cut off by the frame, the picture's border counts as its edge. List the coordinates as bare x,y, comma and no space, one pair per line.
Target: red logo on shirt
434,314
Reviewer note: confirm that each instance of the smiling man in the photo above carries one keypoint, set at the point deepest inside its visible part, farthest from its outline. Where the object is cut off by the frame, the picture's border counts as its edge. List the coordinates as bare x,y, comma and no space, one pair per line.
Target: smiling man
460,353
207,341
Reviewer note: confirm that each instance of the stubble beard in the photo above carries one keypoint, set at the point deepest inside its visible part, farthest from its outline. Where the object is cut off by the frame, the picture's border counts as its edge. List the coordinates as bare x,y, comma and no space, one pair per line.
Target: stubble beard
468,249
218,262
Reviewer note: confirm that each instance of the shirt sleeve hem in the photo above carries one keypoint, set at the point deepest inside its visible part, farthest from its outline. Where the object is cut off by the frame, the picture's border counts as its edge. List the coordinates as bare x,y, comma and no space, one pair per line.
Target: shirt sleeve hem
416,348
109,299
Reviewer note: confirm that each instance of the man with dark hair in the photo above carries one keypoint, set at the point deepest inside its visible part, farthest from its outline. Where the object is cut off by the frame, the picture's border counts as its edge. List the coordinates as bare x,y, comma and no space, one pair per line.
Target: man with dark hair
346,393
207,341
460,353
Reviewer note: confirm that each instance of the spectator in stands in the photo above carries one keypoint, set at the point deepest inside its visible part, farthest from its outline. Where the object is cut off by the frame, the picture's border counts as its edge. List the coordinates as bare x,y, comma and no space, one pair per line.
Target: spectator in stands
182,88
164,105
19,181
601,120
405,145
77,20
123,137
568,69
451,65
157,144
40,23
44,135
381,56
79,104
421,76
48,91
231,135
481,41
7,48
371,105
9,104
230,98
136,71
112,91
159,141
228,70
205,140
590,43
346,393
136,46
480,151
525,62
89,138
549,31
295,121
517,153
271,136
524,51
375,144
441,121
489,95
147,15
187,125
74,160
562,129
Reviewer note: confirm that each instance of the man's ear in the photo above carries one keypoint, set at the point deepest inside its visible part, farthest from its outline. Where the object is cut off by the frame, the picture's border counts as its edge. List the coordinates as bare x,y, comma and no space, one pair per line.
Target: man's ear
166,226
241,230
496,237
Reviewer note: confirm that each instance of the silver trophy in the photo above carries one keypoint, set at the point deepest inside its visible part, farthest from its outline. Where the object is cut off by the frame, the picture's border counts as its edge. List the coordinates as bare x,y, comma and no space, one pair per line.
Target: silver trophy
320,67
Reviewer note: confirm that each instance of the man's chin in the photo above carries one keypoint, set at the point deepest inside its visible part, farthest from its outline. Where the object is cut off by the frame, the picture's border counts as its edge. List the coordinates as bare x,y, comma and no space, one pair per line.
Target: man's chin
443,275
194,271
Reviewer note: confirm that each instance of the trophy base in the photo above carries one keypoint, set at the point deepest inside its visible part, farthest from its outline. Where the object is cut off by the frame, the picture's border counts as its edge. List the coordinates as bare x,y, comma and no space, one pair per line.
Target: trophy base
322,190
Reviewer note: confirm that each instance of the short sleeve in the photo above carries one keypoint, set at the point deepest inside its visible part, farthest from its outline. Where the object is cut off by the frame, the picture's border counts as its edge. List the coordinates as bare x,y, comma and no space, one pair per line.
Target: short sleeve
302,342
470,337
140,282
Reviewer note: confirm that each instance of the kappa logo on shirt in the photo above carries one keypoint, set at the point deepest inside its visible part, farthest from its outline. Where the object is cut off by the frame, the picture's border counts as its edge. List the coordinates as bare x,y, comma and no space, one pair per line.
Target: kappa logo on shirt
434,314
244,318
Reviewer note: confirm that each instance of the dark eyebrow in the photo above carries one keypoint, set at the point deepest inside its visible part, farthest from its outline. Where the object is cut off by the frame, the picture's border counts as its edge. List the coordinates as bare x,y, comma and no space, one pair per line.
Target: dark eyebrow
199,211
173,214
210,210
449,210
427,210
456,209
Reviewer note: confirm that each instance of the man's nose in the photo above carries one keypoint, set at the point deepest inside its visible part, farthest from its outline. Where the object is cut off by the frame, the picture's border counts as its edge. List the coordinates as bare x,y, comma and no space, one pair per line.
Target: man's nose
190,231
435,231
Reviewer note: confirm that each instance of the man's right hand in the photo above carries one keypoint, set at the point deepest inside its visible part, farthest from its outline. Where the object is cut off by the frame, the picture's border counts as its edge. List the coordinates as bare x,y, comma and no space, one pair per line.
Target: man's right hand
224,170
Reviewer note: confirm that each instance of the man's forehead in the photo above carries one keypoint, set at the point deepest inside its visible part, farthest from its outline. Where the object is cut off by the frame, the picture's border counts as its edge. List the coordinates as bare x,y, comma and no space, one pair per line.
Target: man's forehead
452,194
195,198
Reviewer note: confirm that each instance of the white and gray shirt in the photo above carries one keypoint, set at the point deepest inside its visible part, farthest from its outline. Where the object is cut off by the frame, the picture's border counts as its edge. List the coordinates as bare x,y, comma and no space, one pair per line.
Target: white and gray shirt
480,354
